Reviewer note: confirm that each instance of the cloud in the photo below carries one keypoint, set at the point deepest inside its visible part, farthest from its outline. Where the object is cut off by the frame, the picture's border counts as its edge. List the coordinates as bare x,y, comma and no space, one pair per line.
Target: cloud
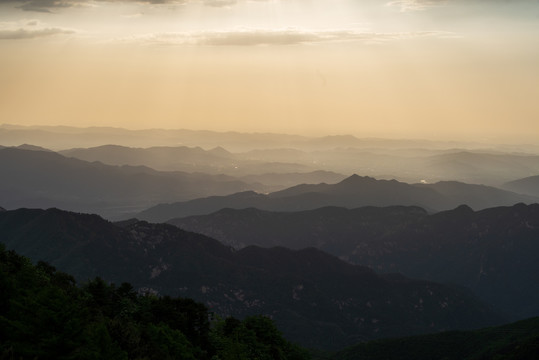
29,29
263,37
411,5
44,5
404,5
415,5
220,3
49,6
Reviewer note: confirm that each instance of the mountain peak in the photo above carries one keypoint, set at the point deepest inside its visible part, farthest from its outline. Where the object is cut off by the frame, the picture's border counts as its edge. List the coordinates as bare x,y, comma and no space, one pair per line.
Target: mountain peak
31,147
356,179
220,151
463,209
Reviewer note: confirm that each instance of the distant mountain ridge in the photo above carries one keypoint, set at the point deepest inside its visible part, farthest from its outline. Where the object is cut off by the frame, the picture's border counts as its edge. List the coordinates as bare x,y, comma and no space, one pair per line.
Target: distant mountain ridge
46,179
71,137
159,158
314,298
528,185
272,172
481,168
408,160
407,164
352,192
492,251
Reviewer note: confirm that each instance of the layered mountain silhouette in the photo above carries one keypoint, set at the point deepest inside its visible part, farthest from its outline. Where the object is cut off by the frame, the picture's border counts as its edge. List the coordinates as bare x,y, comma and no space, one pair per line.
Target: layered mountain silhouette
407,164
47,179
315,298
354,191
480,167
492,251
26,147
528,185
278,172
183,158
70,137
256,153
160,158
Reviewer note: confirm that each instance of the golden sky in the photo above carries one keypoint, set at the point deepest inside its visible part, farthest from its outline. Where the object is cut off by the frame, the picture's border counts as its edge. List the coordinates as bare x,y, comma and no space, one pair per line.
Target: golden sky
441,69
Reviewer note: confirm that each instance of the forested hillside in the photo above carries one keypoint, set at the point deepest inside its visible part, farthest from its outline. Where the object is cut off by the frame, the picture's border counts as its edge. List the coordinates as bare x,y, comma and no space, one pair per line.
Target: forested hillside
45,315
314,298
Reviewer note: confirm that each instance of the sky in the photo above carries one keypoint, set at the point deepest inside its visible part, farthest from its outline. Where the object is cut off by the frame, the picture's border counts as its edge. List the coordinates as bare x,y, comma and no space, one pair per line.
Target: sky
438,69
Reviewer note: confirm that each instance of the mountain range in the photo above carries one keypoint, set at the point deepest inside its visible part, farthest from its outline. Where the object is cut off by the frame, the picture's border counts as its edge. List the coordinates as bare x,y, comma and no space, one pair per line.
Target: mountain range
46,179
528,185
492,251
354,191
314,298
407,164
182,158
243,154
65,137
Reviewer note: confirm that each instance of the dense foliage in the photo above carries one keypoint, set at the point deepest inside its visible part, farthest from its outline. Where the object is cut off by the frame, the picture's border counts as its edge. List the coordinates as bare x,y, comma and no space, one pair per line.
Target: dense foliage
516,341
44,315
315,299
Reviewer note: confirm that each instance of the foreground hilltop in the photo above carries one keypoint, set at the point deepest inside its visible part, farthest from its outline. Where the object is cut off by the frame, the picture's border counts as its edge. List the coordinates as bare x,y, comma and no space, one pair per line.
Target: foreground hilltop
45,315
314,298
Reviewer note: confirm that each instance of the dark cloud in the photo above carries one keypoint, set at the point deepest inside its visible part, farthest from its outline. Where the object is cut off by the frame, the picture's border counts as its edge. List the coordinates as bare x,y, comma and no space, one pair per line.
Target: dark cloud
44,5
49,6
404,5
53,5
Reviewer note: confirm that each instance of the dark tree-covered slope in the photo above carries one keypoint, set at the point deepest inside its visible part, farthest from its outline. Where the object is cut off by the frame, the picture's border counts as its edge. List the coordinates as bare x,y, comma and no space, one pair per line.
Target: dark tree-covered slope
516,341
492,251
314,298
335,230
44,315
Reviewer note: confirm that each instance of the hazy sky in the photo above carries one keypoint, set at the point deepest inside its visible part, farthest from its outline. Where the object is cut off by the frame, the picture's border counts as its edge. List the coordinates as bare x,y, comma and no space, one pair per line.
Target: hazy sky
459,69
